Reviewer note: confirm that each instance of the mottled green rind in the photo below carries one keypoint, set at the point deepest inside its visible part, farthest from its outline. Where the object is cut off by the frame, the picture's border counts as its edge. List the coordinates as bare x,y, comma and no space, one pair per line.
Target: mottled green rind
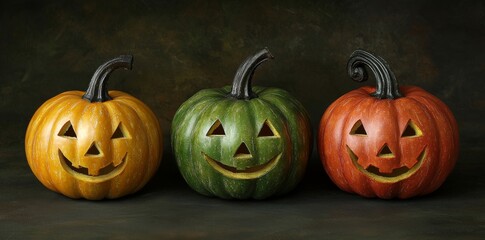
242,120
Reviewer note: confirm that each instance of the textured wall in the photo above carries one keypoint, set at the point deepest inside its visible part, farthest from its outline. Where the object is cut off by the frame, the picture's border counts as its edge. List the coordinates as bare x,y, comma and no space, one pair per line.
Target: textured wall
181,47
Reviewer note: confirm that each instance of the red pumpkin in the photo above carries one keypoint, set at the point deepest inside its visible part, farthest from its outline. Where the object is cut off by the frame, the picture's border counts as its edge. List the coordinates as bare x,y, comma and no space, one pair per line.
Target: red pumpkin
388,141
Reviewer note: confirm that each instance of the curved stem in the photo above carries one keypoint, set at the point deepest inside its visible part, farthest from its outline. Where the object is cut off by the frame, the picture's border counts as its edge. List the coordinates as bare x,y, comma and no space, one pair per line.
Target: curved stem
97,90
386,83
241,85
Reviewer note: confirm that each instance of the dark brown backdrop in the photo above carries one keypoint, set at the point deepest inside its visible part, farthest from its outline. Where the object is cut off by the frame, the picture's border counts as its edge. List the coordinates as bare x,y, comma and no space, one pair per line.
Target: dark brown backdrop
181,47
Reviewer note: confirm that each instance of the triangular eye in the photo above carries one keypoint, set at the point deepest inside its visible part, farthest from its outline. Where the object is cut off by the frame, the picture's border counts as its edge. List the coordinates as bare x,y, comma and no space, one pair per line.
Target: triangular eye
118,133
216,129
267,130
411,130
67,131
358,129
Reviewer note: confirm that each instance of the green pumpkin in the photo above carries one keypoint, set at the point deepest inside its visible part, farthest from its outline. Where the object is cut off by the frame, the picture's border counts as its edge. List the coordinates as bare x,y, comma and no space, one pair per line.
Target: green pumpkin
242,142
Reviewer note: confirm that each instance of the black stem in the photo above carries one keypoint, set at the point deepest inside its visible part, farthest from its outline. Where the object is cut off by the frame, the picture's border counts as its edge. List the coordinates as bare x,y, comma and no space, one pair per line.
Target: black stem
387,86
241,86
97,90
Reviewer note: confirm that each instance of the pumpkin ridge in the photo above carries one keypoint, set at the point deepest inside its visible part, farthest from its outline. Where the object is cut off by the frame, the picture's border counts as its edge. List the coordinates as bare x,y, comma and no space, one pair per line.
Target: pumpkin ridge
325,118
191,104
269,92
39,116
217,103
359,101
394,114
411,90
262,103
340,146
143,117
77,102
226,105
121,107
436,109
371,187
294,112
187,118
388,104
46,106
432,168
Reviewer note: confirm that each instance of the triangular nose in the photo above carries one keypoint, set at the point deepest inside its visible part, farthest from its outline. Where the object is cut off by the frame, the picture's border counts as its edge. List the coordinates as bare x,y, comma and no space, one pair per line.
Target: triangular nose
242,151
385,152
93,150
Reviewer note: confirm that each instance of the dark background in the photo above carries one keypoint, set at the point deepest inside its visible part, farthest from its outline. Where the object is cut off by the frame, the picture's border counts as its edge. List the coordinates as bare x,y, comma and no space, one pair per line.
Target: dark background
180,47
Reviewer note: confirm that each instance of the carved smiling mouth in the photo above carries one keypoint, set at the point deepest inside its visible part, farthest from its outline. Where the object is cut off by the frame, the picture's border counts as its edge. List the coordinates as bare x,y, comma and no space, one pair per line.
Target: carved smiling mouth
105,173
396,175
248,173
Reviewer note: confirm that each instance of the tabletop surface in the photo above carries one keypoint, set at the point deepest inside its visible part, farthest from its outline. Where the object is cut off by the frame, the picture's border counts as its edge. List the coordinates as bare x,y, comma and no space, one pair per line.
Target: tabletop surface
168,209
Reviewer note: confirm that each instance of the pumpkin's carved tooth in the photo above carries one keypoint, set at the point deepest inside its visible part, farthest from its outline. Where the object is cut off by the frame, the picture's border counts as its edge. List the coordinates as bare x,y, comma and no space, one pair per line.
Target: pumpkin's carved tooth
75,167
93,172
410,164
119,162
380,171
393,173
362,162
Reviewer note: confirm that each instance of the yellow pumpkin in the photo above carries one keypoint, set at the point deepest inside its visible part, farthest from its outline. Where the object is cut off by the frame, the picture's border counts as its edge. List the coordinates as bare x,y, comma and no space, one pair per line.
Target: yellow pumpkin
94,144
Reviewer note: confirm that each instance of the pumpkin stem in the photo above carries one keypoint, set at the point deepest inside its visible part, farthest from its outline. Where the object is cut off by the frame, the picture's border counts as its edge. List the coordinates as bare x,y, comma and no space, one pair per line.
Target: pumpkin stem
387,86
241,86
97,90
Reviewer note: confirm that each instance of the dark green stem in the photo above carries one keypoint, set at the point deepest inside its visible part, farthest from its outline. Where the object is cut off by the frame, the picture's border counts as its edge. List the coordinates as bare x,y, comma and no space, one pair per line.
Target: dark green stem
241,85
97,90
386,83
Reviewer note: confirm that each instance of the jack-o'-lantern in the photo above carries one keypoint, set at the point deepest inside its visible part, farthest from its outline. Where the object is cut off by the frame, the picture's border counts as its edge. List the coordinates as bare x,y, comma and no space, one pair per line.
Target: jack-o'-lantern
94,144
242,142
388,141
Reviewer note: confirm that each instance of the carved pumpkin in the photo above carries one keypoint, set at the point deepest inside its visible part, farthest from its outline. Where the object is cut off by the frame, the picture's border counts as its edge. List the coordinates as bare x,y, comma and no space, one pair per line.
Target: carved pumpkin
388,141
95,144
244,142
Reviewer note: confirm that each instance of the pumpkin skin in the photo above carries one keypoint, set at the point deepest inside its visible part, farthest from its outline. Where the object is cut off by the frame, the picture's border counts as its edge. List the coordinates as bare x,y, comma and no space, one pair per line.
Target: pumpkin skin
387,143
242,147
94,148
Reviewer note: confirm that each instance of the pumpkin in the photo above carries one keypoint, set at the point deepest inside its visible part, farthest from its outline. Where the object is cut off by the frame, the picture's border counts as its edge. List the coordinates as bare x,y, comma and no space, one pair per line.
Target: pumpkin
94,144
242,141
387,141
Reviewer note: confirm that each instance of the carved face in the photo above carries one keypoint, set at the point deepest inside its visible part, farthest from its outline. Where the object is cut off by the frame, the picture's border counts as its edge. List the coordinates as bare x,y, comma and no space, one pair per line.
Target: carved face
238,162
390,161
95,144
233,148
93,160
103,144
